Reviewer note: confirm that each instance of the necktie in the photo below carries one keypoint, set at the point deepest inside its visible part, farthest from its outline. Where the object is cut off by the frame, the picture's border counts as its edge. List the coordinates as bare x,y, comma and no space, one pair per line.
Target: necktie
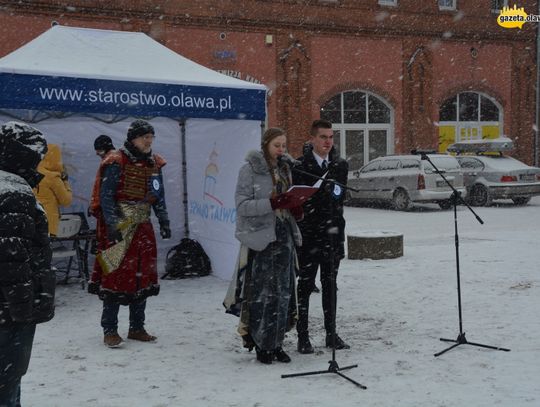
324,165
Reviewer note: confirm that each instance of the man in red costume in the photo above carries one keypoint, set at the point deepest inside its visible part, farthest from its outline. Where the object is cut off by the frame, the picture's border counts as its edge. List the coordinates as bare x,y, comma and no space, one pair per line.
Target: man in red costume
125,272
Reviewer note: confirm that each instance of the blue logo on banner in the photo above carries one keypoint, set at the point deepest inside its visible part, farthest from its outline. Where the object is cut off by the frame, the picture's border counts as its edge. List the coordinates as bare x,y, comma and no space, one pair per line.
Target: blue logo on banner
213,212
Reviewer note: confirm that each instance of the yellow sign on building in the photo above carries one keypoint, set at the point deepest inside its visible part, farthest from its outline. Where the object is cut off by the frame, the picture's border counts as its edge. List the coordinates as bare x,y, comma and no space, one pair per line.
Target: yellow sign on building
512,17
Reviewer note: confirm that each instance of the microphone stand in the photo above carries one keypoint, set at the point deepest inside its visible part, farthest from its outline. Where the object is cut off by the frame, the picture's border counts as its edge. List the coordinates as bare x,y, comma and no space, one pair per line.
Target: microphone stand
456,198
333,365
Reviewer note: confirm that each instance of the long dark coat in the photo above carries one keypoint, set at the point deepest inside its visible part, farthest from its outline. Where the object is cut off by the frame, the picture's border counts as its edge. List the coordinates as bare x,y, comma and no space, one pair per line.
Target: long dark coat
27,283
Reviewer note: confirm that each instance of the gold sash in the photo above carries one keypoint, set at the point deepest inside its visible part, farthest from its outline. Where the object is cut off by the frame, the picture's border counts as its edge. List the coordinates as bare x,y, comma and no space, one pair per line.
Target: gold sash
132,216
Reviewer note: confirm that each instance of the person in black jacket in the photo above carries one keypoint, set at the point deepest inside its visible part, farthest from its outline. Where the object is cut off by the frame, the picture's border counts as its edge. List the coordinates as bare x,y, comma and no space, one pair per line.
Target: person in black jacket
27,282
323,231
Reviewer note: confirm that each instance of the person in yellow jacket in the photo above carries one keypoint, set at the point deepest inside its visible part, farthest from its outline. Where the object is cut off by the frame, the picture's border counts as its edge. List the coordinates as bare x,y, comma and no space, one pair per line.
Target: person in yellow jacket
54,190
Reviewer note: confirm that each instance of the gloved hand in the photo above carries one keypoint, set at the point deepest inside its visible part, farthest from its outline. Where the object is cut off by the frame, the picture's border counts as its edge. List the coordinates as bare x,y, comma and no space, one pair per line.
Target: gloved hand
297,212
281,201
113,234
165,231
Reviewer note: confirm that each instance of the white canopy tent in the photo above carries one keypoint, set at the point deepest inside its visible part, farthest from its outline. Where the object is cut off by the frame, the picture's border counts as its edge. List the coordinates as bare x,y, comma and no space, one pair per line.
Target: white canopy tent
77,83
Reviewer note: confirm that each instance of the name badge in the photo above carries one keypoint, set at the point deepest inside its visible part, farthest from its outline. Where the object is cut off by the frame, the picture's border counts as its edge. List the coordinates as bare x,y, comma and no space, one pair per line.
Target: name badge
155,187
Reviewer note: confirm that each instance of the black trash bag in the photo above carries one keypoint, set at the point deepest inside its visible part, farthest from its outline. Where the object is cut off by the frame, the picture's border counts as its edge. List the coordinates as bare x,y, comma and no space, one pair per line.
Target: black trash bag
187,259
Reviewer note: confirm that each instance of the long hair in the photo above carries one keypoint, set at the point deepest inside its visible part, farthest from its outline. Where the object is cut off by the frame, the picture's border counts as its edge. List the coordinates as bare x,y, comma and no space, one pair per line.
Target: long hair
269,135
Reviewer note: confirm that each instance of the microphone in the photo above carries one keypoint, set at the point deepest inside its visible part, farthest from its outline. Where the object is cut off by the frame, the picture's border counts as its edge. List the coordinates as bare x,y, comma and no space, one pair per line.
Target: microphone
287,159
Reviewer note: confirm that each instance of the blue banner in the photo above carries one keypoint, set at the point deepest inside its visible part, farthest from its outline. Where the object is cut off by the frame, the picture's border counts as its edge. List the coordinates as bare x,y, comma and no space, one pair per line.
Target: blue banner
78,95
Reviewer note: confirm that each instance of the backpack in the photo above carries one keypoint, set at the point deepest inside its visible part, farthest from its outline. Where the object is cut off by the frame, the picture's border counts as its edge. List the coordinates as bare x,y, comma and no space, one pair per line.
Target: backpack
187,259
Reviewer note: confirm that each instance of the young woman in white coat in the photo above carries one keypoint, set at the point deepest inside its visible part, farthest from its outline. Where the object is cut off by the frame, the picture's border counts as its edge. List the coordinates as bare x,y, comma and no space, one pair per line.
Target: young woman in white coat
265,291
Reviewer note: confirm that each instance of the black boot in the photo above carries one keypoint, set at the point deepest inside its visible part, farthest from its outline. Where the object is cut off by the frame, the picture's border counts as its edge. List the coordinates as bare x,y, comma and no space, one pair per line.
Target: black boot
304,345
340,343
248,342
265,356
281,356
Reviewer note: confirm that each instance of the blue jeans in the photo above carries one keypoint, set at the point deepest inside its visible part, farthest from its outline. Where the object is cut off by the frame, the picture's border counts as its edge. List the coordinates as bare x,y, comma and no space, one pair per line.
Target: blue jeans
109,317
15,350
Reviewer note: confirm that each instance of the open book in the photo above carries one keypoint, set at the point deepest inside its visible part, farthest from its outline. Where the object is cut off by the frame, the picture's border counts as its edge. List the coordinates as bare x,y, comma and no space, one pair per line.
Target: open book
301,193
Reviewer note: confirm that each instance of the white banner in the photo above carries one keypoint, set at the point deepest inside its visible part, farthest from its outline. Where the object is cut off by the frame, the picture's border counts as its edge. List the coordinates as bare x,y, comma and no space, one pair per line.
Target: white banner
215,152
76,134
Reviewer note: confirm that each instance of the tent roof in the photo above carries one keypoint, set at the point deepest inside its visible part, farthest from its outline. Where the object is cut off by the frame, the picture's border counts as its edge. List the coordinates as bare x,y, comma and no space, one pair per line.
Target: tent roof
113,55
89,71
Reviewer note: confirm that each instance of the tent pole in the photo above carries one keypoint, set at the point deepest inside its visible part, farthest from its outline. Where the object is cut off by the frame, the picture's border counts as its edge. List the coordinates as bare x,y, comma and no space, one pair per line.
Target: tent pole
184,176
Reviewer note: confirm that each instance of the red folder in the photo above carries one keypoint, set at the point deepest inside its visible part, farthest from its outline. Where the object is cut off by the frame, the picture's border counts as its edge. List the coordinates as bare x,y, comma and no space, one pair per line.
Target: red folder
300,194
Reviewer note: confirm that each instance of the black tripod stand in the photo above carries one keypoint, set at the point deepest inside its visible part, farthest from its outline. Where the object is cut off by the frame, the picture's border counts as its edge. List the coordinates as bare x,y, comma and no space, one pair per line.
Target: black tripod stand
333,365
456,198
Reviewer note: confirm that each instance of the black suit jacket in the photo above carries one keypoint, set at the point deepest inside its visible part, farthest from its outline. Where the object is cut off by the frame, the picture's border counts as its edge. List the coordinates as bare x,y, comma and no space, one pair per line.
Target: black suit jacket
323,221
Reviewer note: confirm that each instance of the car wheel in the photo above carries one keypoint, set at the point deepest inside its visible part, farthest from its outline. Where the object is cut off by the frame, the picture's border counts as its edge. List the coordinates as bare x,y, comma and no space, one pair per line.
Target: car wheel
401,200
521,200
480,196
446,204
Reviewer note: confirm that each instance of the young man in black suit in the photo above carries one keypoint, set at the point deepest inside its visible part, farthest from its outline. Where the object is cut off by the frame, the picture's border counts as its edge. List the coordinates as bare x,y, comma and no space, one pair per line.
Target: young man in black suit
323,231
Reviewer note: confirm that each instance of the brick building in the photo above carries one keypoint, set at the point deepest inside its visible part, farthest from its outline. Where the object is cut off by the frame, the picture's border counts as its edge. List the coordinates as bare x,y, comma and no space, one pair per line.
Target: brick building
390,74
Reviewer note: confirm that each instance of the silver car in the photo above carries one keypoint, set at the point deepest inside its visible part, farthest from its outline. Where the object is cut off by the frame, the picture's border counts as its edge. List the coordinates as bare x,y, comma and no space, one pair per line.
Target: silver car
404,179
489,177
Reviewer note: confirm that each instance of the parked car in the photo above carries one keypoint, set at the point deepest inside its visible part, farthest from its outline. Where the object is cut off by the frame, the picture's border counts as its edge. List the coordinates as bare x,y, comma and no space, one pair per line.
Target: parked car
498,177
405,179
488,174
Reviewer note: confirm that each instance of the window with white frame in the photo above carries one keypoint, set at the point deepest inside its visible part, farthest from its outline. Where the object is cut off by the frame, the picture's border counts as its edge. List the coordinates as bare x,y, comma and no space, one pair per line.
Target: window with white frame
363,126
472,115
497,5
447,4
388,2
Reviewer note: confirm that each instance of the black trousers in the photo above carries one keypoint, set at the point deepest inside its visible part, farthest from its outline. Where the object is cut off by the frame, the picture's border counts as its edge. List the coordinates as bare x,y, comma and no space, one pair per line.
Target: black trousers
306,282
16,342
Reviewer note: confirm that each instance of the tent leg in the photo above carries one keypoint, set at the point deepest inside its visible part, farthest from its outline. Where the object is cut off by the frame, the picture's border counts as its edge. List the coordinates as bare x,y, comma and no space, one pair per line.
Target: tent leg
184,175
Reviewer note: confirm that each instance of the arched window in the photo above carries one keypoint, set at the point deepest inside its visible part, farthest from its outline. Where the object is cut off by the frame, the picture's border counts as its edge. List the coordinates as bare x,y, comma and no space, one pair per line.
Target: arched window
469,116
363,126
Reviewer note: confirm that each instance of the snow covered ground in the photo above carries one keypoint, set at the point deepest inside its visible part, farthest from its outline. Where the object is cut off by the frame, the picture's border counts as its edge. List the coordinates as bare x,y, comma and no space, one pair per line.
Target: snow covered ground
392,313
